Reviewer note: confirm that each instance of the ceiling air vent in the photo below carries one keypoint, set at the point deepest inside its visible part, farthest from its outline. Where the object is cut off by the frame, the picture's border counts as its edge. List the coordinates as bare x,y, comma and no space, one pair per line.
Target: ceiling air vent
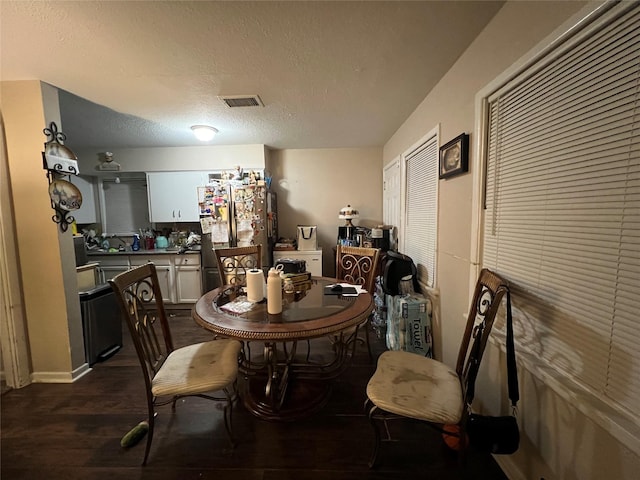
234,101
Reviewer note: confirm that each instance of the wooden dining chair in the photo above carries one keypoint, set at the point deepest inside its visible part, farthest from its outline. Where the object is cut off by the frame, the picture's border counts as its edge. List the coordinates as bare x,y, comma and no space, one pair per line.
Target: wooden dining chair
234,262
408,385
358,265
171,373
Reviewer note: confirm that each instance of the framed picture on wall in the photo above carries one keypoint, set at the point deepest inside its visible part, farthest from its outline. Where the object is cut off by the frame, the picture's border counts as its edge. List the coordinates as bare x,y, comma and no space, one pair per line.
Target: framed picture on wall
454,157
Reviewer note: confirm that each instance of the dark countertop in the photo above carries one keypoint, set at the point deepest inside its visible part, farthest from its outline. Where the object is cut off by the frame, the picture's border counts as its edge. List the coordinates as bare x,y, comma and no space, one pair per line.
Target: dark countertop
156,251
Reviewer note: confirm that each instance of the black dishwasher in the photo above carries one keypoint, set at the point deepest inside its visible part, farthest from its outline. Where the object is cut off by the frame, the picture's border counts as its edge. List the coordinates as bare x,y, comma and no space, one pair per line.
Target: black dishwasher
102,323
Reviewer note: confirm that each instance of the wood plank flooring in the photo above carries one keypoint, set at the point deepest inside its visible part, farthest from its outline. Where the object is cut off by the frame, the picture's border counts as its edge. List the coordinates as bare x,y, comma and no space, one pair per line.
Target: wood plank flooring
73,431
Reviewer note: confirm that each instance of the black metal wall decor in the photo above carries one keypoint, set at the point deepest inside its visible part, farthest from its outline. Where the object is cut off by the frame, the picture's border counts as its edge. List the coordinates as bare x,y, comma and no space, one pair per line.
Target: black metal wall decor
60,163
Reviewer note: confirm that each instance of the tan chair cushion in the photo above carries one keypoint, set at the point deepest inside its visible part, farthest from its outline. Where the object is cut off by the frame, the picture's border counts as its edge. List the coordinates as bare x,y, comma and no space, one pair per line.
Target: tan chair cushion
417,387
198,368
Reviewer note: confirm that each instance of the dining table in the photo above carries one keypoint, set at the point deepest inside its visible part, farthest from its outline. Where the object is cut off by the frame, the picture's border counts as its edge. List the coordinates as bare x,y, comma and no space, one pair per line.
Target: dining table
280,382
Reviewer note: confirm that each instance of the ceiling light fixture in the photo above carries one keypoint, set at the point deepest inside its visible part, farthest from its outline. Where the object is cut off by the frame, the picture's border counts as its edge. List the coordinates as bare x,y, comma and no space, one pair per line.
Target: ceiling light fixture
204,133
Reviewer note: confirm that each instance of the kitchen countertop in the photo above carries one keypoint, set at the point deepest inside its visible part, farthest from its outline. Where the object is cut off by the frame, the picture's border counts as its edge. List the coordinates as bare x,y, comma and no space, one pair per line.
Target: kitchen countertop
156,251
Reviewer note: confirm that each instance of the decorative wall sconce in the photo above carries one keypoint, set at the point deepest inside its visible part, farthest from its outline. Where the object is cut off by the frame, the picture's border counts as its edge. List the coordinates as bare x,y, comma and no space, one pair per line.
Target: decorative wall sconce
108,164
60,163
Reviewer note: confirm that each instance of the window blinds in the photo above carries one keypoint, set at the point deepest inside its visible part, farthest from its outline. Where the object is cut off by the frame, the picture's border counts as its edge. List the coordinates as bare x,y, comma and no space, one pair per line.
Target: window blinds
562,218
421,208
126,206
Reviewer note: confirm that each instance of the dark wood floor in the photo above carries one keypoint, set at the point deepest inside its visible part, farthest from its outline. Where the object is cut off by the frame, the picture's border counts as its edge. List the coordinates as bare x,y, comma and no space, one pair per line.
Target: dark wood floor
73,431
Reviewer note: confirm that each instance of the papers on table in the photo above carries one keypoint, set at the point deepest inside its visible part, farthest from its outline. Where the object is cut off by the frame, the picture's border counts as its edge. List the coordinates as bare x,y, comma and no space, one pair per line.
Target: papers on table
238,306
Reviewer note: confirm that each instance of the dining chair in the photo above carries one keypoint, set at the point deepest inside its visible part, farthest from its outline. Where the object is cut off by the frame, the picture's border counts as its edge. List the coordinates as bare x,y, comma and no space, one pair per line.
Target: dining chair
172,373
358,265
408,385
234,262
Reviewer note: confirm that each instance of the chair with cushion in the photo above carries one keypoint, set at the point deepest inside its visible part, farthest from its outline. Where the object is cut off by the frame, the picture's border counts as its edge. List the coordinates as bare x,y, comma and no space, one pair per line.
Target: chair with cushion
358,265
407,385
234,262
171,373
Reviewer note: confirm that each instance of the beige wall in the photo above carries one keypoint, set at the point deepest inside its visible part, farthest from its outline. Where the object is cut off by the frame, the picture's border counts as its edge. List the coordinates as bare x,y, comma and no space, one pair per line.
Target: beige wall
313,185
558,441
52,313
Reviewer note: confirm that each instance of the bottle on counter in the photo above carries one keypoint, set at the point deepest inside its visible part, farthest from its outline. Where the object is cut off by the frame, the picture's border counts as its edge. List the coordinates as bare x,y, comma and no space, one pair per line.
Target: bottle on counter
274,292
136,243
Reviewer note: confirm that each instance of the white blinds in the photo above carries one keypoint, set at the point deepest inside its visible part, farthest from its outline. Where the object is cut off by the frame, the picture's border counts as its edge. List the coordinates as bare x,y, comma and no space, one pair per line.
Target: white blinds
421,208
562,218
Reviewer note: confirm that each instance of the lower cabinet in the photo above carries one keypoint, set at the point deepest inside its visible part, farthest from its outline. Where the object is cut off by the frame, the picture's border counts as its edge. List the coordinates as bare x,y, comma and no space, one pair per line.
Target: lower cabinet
110,266
179,276
188,278
164,270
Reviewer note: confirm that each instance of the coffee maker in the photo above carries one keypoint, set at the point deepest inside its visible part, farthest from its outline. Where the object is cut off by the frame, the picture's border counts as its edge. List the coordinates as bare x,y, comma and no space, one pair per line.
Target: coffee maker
381,237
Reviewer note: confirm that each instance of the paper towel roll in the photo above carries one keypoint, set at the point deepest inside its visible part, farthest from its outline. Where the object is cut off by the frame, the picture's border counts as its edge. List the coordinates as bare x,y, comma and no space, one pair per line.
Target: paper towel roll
255,285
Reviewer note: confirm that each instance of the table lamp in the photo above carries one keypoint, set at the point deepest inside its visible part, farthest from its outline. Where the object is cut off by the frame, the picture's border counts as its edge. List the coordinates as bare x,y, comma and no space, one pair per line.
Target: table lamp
346,233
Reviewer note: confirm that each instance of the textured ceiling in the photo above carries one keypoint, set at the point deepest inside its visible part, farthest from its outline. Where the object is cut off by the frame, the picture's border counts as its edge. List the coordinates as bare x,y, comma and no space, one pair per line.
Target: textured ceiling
330,74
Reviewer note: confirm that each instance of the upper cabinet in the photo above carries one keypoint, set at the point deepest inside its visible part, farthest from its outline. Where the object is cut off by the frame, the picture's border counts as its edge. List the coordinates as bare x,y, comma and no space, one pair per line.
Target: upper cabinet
87,211
173,196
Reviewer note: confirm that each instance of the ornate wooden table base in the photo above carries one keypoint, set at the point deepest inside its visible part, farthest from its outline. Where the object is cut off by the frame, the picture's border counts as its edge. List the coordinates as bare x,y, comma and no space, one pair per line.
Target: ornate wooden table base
280,384
301,399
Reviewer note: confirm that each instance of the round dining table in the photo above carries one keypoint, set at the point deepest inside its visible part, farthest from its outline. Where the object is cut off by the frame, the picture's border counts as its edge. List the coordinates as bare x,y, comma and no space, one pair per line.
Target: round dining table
279,383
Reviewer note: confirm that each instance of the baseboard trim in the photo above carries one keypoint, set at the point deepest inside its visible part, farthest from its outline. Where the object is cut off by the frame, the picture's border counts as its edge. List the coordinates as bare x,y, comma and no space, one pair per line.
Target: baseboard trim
61,377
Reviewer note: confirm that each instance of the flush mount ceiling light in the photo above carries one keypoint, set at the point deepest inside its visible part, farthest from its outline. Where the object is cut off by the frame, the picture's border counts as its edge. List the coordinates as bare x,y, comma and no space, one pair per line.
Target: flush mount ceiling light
204,133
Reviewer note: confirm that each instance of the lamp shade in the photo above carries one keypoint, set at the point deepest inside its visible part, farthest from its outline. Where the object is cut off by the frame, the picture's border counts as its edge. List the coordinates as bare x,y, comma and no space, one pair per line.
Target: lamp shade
204,133
347,213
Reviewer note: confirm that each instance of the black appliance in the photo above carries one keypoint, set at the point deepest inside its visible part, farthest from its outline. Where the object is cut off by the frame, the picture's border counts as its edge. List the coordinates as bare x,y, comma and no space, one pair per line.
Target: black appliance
381,238
102,323
210,275
80,250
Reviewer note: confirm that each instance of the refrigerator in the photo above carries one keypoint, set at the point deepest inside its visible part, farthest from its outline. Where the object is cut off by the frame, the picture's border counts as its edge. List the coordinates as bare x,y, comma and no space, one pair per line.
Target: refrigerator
236,212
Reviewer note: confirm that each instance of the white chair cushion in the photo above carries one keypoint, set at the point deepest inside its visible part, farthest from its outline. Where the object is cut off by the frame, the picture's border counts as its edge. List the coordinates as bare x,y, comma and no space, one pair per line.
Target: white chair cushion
414,386
198,368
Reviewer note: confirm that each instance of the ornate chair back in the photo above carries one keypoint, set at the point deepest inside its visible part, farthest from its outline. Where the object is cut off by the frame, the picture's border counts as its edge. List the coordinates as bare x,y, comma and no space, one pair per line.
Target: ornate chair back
234,262
138,293
487,297
357,265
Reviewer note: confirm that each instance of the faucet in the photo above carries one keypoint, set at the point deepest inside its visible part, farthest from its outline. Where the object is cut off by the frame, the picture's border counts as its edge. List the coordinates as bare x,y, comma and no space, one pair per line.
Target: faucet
122,247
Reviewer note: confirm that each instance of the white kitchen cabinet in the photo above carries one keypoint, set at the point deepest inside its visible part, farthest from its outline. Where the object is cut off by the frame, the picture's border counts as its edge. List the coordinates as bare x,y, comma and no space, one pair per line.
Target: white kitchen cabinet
188,274
87,211
173,196
179,275
110,265
164,270
313,259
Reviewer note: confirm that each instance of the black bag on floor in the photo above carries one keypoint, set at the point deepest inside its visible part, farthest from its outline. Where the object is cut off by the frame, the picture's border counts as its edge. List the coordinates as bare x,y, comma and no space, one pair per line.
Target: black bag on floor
397,266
